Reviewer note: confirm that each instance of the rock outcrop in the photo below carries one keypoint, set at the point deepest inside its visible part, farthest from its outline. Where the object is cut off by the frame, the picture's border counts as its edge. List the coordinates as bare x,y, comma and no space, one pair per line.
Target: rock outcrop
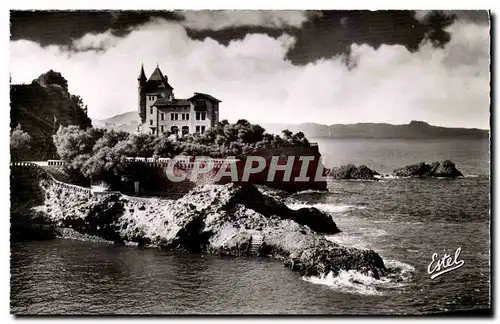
216,219
350,171
34,106
445,169
25,193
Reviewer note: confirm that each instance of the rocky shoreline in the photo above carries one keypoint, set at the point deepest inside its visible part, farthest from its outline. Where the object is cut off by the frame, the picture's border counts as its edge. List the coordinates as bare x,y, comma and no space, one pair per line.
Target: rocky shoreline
214,219
438,169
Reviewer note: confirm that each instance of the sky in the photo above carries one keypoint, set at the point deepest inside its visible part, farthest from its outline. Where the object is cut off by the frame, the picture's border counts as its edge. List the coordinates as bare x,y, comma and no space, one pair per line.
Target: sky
327,67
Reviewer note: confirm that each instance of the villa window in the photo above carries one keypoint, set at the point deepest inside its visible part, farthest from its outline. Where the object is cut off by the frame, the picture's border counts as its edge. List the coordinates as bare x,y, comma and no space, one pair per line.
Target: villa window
202,129
197,129
174,116
162,117
150,122
201,104
151,110
200,116
162,128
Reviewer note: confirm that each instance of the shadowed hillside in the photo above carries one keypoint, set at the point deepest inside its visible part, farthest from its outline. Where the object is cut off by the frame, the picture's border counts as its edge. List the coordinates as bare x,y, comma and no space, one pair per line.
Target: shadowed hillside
41,107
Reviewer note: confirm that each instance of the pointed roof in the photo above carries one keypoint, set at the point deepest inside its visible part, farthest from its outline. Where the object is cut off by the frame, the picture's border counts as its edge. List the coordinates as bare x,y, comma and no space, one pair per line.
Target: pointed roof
158,79
156,75
142,75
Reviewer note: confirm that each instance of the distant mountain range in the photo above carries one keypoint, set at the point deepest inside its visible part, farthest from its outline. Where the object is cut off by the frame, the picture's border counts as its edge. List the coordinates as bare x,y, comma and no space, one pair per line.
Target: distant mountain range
413,130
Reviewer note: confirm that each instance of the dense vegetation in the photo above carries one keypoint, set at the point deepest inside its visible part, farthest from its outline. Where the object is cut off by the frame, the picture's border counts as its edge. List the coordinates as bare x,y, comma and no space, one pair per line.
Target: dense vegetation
20,144
100,153
48,122
39,109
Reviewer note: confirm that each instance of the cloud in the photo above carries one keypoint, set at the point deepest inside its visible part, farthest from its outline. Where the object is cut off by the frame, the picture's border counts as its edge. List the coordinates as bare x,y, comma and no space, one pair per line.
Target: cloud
220,19
91,41
444,86
475,16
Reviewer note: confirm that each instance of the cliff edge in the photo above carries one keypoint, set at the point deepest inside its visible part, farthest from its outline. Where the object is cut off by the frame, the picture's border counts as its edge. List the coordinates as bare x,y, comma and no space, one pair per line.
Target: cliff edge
226,219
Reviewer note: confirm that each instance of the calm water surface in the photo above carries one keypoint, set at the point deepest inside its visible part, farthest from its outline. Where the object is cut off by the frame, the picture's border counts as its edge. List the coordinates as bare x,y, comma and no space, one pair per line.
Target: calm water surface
405,221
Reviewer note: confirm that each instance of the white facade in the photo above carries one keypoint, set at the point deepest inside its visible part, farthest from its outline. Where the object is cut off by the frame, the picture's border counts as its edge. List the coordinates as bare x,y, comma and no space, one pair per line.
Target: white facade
161,113
186,119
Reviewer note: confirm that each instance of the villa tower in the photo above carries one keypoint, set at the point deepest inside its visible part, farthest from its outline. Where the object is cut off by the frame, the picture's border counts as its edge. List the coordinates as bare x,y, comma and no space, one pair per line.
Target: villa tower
160,113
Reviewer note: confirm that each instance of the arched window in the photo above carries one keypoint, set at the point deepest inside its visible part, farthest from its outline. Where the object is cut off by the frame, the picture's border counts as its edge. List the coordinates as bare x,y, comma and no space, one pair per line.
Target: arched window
174,129
185,130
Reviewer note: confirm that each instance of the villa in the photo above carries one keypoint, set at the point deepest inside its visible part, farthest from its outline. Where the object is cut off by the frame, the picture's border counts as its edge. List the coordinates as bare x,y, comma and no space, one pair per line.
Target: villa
161,113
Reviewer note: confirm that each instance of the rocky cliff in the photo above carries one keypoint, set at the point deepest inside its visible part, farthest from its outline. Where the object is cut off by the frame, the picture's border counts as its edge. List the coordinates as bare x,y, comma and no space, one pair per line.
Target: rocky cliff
216,219
41,107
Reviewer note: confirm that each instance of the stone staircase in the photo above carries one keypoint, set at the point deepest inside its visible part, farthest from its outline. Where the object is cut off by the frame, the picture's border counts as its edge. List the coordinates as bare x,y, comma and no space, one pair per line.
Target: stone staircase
256,243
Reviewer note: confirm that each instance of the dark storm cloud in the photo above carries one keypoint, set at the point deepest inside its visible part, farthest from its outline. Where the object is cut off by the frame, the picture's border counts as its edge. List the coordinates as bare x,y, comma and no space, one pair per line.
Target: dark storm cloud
333,32
323,35
402,65
62,27
474,16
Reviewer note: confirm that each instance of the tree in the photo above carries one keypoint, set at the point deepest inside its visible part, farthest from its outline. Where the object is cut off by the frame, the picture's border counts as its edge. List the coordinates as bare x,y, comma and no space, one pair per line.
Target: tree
52,78
287,134
20,144
79,112
163,147
101,154
41,107
75,145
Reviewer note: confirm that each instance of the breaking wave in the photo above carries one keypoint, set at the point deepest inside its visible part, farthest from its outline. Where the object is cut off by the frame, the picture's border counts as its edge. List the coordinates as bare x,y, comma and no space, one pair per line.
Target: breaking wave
386,176
328,208
354,282
310,191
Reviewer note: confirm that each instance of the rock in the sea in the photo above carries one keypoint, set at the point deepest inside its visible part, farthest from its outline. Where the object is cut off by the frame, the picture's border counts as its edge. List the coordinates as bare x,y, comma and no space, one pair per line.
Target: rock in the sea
436,169
350,171
313,255
216,219
445,169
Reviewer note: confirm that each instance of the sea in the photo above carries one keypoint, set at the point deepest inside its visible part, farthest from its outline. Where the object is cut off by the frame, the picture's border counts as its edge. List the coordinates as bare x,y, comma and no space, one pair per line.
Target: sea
406,221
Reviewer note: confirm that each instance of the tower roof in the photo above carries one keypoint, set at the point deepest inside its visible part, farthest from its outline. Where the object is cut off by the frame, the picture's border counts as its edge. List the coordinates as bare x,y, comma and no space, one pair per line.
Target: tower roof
157,75
157,79
142,75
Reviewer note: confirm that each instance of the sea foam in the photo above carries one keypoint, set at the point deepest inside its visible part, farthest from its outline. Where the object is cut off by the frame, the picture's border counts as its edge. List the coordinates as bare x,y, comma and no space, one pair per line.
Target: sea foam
354,282
328,208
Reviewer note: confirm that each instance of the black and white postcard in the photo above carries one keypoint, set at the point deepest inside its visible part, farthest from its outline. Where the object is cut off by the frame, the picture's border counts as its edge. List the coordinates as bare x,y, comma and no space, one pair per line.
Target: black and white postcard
250,162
